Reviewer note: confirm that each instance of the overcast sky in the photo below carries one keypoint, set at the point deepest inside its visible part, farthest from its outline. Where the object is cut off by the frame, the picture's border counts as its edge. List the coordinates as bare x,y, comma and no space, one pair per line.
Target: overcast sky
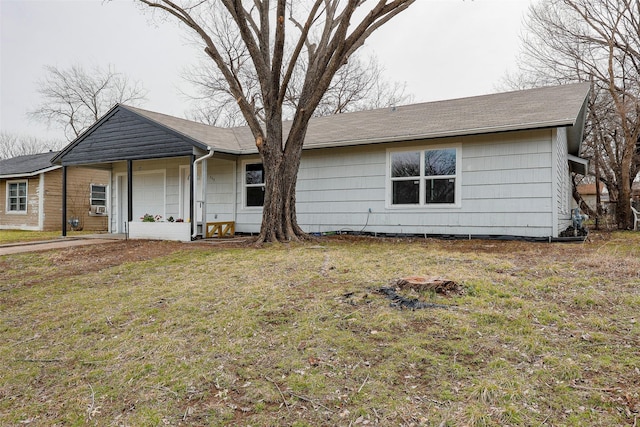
442,49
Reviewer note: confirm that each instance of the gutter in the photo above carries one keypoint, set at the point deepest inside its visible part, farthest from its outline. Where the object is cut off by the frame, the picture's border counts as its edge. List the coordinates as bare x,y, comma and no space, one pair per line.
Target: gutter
203,195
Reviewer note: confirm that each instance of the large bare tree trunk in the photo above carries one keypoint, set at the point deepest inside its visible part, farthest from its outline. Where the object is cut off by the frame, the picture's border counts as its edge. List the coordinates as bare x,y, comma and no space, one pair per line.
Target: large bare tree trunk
326,33
279,219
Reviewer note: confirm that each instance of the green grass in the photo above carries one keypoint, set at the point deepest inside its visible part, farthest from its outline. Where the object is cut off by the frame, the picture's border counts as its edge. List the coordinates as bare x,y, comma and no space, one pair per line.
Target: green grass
546,334
15,236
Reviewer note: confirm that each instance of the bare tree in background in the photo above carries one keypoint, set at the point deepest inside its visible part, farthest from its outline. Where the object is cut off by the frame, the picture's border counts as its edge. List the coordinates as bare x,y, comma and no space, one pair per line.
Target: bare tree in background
357,86
323,33
12,145
75,98
596,41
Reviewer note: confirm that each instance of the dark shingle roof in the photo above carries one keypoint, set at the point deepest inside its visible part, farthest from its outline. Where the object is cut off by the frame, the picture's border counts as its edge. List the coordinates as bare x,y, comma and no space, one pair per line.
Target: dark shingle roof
508,111
26,165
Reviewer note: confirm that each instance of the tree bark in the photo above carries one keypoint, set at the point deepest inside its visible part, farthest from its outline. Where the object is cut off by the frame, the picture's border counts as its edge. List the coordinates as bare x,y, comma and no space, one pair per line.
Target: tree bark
584,207
279,218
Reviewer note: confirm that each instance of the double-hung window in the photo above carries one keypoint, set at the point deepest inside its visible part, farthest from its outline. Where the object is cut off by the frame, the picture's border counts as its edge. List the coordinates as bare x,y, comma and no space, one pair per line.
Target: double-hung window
98,195
424,177
17,196
254,185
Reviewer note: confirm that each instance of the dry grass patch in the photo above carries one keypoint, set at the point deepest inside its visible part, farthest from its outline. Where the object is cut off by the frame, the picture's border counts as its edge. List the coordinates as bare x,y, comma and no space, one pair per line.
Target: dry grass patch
150,333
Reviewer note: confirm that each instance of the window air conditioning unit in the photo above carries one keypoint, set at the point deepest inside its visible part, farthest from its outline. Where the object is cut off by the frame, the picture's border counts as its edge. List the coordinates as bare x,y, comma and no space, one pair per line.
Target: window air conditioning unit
101,210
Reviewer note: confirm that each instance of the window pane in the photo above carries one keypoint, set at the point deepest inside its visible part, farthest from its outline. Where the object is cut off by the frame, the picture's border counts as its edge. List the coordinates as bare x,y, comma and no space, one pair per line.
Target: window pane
406,192
254,174
405,164
440,162
440,190
255,196
99,195
17,198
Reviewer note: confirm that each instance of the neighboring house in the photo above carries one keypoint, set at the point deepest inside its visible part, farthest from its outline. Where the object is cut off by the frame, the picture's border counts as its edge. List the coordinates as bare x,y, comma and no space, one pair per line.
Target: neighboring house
494,165
588,193
31,194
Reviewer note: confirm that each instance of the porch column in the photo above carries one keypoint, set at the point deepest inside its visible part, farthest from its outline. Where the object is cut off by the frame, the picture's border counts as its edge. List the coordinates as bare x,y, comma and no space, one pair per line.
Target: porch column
129,191
64,201
192,190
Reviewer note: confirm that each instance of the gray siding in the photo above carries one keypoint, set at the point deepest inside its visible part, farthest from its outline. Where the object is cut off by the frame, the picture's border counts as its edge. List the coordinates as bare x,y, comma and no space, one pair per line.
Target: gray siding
505,185
562,182
220,190
124,136
509,184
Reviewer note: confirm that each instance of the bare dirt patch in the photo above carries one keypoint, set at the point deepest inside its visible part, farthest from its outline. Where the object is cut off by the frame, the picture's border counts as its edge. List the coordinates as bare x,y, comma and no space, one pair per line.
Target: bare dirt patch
83,259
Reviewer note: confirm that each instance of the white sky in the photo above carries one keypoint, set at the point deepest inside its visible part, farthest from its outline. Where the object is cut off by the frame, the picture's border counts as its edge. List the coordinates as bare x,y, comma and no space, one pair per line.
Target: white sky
442,49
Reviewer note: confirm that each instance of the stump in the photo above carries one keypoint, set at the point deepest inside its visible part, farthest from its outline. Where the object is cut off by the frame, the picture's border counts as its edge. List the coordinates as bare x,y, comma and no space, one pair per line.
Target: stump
421,283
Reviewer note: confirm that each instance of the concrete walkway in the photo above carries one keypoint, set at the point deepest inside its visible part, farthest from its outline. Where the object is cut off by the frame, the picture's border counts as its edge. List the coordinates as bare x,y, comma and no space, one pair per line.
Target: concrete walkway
61,243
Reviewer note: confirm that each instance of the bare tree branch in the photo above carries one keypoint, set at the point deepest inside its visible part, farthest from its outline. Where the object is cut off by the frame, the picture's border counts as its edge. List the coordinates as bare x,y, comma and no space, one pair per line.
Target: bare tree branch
597,41
325,32
12,145
75,99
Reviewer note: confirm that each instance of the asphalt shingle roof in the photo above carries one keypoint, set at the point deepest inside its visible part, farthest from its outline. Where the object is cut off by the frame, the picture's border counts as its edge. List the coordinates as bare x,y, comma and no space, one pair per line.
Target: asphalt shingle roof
26,165
508,111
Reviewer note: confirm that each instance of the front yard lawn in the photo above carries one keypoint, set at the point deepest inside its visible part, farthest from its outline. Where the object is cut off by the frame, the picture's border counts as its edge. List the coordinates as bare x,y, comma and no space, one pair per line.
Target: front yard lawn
151,333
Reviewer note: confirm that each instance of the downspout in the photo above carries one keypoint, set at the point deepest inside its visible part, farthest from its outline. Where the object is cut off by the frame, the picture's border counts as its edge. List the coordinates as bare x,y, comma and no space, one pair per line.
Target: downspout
203,195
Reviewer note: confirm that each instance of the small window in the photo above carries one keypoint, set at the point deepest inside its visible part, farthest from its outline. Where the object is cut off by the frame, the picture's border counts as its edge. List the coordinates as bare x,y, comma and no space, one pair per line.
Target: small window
17,196
254,185
98,195
423,177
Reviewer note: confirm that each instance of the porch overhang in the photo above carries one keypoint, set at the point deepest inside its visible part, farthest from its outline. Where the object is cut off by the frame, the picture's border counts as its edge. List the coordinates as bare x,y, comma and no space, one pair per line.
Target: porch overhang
578,165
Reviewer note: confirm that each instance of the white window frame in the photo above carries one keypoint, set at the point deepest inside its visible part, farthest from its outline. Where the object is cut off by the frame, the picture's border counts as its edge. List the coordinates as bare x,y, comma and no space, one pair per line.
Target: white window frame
422,178
106,194
26,197
243,178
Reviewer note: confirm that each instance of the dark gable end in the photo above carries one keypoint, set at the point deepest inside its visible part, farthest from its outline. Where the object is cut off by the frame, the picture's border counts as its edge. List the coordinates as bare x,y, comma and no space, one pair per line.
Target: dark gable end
124,135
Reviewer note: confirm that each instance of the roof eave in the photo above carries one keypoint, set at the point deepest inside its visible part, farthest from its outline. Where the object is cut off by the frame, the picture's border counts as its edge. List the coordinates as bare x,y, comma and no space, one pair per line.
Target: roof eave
575,133
30,174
